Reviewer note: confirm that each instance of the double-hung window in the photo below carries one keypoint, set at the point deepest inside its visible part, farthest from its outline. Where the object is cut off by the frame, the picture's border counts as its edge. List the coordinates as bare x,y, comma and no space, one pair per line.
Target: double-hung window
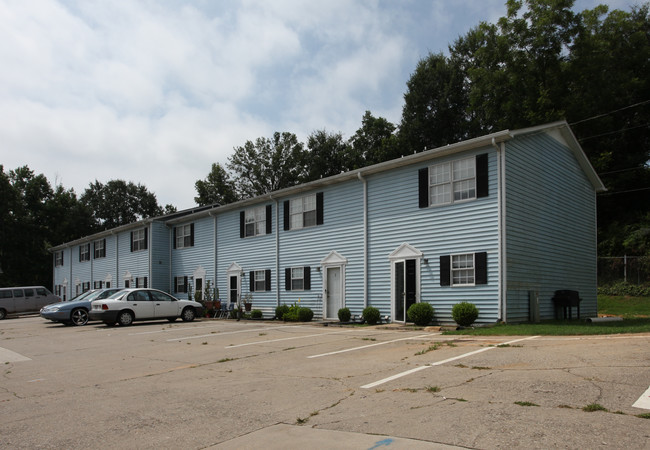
184,236
84,252
139,240
255,221
100,248
452,182
298,278
180,284
302,212
260,280
98,284
141,282
58,259
462,269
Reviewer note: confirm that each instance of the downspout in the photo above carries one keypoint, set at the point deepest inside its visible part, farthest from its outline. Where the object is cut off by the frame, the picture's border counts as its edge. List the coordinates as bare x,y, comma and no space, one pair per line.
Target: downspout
214,237
501,201
365,238
150,251
117,259
277,249
170,279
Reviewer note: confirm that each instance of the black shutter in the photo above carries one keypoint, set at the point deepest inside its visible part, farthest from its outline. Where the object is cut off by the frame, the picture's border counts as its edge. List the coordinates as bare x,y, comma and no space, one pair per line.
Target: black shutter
80,253
480,268
146,238
104,249
307,274
132,241
269,219
286,215
251,283
267,280
185,284
423,187
145,282
191,235
94,249
242,221
175,285
287,279
174,238
482,184
319,208
445,270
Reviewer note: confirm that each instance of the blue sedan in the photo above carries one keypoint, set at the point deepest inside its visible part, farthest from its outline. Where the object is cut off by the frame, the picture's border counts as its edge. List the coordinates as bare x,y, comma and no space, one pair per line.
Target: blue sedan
75,312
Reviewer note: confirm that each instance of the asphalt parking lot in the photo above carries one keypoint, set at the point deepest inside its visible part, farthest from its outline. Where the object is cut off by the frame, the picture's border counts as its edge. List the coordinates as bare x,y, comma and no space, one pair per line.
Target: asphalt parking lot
271,385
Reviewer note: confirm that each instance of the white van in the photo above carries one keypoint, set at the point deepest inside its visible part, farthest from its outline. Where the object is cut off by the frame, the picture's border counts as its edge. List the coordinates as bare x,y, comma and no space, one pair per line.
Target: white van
23,300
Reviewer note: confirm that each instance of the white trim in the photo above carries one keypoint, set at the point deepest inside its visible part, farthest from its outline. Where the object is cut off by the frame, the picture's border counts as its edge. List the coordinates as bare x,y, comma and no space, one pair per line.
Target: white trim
334,260
401,254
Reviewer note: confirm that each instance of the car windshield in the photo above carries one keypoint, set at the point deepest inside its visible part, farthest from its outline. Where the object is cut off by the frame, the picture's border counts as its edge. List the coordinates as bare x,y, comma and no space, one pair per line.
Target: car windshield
81,296
98,294
116,295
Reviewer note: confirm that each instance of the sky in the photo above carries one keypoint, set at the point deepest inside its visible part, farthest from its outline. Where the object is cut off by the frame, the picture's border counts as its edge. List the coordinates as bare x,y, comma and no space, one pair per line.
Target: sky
155,91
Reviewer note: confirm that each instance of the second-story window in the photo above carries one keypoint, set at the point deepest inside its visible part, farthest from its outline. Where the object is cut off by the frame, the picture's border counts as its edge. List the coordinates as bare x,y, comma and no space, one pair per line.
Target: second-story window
84,252
303,212
184,236
139,240
58,259
100,248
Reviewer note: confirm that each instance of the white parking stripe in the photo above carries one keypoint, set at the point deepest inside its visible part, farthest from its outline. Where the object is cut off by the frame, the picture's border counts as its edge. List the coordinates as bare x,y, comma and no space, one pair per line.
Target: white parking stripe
644,401
225,333
369,345
438,363
9,356
287,339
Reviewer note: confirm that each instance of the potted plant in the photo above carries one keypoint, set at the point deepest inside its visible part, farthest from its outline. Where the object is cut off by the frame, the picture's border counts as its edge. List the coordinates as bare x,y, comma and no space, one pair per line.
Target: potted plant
248,301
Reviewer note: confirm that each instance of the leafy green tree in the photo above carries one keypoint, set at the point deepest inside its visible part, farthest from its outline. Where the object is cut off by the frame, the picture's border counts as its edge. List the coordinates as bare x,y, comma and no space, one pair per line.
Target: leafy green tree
267,165
328,154
119,203
217,188
373,142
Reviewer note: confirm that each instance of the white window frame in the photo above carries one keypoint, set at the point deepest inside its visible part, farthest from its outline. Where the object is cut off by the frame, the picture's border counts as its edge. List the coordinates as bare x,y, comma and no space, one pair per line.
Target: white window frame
84,252
85,286
100,248
184,236
58,259
452,182
255,221
180,285
461,272
260,281
302,212
298,276
98,284
138,240
140,282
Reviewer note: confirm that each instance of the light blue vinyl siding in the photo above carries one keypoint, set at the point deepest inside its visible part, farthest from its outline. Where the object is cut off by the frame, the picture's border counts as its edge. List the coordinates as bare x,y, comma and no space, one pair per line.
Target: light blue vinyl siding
551,226
136,263
185,261
104,267
251,253
341,231
81,271
160,256
465,227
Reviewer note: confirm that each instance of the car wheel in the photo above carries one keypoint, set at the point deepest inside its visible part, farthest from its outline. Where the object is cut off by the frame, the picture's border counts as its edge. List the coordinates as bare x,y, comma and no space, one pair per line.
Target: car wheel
125,318
79,317
188,314
172,319
3,313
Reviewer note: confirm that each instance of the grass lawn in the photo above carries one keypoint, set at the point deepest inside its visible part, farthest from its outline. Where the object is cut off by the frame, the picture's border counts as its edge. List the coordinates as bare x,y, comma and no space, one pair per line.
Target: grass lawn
634,310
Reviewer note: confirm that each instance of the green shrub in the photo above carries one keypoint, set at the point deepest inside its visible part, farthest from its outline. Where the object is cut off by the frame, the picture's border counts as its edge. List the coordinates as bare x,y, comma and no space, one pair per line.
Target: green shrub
420,313
280,311
344,314
305,314
371,315
622,288
256,314
464,313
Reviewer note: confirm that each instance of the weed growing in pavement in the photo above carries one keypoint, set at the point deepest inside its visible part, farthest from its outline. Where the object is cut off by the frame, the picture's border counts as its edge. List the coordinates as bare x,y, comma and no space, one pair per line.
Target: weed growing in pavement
301,421
462,366
565,406
431,348
433,389
481,368
526,404
594,407
204,343
225,360
643,416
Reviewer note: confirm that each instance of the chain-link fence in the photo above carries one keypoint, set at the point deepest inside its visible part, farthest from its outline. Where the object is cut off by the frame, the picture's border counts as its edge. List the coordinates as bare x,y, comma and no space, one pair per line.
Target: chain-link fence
629,269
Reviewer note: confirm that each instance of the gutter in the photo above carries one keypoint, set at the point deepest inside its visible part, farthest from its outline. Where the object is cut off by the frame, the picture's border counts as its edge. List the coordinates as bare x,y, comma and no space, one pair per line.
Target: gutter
365,238
501,199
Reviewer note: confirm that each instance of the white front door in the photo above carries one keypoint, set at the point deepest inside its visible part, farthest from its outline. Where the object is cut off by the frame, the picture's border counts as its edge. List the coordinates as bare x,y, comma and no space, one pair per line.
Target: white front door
333,292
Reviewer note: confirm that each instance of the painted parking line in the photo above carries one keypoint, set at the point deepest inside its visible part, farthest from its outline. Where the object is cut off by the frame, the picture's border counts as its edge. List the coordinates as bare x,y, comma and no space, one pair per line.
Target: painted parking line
438,363
286,339
369,345
644,401
225,333
7,356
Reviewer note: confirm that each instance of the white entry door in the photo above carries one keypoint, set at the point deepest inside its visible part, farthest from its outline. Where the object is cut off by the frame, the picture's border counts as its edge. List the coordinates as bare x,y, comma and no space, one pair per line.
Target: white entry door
333,292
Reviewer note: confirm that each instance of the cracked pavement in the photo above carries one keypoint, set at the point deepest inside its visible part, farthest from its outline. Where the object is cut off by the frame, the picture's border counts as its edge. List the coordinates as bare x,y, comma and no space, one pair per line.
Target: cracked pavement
203,384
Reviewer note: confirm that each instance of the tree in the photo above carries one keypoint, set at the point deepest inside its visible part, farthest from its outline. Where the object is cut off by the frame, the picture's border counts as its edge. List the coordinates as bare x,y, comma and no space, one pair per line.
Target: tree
373,143
328,154
267,165
217,188
119,203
